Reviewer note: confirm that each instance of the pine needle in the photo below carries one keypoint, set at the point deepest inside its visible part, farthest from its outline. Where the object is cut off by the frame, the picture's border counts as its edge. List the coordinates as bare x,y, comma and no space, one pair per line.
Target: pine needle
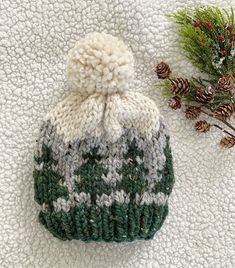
202,44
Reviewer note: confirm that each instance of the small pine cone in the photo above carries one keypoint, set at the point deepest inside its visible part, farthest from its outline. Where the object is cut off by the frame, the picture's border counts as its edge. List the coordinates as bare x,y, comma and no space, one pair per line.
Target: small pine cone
175,102
163,70
192,112
202,126
227,142
180,86
225,84
224,111
205,95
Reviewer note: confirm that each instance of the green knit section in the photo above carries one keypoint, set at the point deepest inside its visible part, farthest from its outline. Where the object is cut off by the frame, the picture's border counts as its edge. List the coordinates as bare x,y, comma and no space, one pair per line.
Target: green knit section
91,174
166,184
119,222
133,174
47,183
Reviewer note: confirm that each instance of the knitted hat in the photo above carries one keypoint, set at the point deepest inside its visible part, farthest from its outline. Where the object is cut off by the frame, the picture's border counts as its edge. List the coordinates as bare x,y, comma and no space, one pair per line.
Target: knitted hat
103,164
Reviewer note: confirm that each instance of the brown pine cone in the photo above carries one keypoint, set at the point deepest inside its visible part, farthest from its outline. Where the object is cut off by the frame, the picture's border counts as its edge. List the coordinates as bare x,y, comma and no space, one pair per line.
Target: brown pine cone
175,102
224,111
192,112
225,84
180,86
163,70
205,95
202,126
227,142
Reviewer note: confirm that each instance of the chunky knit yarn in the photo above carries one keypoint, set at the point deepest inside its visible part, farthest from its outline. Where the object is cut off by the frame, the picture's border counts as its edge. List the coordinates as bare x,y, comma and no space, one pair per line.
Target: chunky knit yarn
103,164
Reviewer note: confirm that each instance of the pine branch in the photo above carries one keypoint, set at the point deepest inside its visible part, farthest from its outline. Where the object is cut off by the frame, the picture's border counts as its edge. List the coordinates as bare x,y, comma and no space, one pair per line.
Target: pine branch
207,36
206,40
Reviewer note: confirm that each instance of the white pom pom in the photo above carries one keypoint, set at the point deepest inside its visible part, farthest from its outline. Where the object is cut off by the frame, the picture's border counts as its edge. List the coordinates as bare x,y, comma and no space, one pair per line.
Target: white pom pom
100,63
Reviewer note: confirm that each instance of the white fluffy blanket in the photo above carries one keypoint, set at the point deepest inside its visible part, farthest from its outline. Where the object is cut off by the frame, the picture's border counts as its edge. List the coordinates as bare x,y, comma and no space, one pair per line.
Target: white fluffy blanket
35,37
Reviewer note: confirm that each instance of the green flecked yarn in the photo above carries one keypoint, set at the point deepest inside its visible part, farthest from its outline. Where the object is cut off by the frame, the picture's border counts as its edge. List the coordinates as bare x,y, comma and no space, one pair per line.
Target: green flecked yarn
94,219
117,223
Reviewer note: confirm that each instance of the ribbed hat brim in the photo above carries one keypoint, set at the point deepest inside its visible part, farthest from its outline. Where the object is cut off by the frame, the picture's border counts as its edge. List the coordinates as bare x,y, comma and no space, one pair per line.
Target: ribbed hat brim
119,222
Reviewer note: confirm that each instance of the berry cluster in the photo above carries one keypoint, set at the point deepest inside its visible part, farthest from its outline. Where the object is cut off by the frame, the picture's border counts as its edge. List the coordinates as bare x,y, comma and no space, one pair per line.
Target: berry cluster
225,40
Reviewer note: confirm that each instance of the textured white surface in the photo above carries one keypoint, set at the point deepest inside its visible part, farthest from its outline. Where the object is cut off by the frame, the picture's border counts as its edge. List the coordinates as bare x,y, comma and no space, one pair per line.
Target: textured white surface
34,39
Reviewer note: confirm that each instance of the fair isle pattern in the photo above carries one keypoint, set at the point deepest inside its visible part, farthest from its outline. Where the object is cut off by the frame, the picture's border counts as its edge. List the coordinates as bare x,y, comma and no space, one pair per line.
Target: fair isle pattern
94,189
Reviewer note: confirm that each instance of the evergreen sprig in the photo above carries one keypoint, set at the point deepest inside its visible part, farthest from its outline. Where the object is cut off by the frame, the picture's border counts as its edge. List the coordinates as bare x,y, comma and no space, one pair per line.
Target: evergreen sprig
207,37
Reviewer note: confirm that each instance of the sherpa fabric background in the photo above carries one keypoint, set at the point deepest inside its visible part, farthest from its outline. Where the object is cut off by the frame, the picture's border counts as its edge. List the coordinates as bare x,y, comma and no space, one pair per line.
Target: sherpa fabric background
35,37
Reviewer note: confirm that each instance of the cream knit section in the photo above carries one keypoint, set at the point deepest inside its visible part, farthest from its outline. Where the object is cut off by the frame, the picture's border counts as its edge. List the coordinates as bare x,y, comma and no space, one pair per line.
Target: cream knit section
77,116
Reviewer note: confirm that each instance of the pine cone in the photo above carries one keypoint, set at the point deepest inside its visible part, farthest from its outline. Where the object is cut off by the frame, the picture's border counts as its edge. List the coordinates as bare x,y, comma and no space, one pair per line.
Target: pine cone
227,142
205,95
175,102
224,111
225,84
180,86
163,70
192,112
202,126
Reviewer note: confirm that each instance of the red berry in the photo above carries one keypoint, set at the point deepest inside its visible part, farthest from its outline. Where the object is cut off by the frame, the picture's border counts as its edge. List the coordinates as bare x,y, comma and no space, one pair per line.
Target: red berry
221,38
208,25
197,24
229,27
223,53
227,77
231,44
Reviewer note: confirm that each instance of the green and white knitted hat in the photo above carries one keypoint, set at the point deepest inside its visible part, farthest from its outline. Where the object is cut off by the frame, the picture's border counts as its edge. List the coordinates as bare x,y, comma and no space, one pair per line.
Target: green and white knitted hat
103,164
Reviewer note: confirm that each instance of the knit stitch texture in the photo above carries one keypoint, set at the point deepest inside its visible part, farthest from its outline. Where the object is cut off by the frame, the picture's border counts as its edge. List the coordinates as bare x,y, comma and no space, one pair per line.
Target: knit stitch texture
103,164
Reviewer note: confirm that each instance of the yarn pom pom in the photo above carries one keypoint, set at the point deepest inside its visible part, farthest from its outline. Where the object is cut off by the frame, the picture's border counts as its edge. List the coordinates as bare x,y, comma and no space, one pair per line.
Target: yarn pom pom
100,63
